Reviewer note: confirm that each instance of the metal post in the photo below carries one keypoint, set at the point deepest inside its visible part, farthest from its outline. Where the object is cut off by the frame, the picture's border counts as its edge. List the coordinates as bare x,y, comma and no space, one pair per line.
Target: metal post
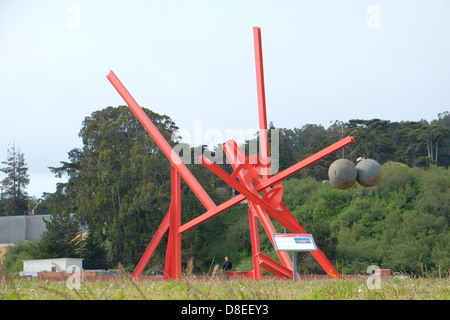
162,229
172,268
254,237
294,265
263,131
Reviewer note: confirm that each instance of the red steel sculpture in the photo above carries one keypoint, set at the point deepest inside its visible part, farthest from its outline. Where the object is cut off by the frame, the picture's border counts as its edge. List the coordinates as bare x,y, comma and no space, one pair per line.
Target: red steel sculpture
251,178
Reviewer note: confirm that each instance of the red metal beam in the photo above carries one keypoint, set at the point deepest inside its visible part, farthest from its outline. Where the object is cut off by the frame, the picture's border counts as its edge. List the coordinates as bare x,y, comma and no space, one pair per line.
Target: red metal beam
161,142
246,172
263,132
260,205
325,264
254,237
151,247
267,183
306,162
274,267
249,194
173,255
270,229
211,213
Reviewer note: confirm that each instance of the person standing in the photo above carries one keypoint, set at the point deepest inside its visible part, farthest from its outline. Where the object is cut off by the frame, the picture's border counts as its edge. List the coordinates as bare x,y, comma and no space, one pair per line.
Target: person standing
227,266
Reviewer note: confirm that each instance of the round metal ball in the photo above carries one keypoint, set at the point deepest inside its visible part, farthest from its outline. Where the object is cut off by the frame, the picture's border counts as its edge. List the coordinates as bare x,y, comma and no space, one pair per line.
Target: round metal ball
369,173
342,174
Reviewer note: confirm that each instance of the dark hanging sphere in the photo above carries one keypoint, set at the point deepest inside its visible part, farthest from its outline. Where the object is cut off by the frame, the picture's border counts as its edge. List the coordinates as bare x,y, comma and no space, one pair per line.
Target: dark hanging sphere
342,174
369,173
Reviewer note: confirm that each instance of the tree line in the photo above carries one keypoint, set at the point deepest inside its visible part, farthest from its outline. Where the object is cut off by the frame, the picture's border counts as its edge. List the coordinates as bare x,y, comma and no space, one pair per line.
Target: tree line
414,143
118,191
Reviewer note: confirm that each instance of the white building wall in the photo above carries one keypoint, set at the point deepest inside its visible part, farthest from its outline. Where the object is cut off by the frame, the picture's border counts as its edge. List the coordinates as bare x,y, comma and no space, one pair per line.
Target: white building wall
51,265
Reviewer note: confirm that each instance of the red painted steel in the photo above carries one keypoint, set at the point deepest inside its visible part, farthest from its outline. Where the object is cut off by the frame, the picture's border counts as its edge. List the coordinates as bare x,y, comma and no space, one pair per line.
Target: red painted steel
274,267
267,183
254,237
151,247
263,132
211,213
283,216
306,162
258,205
161,142
250,177
249,194
270,229
173,255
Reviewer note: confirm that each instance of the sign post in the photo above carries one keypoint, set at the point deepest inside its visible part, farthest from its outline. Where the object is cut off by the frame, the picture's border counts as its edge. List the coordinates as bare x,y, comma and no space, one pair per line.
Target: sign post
294,242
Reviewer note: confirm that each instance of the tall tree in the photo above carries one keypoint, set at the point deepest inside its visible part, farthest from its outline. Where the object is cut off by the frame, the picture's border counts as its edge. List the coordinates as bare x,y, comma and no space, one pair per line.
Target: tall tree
58,240
15,182
119,182
443,139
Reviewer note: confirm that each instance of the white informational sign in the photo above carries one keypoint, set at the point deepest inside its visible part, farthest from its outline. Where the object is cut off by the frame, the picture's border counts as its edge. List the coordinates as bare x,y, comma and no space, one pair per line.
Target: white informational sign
294,242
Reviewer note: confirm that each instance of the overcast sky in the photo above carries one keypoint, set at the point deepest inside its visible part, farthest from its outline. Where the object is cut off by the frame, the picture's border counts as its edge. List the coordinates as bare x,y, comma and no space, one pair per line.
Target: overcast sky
194,61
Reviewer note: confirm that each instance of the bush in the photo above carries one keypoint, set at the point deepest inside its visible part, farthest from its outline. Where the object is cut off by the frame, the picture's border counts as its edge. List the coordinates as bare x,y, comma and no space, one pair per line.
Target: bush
22,250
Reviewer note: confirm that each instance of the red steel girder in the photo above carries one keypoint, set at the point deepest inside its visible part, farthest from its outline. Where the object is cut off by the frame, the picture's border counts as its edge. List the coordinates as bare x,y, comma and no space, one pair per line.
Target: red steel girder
258,204
267,183
162,229
263,132
274,267
254,238
249,194
173,256
171,221
173,157
249,175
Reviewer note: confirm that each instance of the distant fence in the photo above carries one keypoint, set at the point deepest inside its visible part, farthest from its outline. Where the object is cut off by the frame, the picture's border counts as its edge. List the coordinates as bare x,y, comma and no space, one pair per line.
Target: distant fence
100,276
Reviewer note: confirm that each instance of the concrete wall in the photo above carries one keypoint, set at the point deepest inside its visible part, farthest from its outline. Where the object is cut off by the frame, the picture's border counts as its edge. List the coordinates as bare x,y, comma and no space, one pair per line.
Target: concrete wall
16,228
52,265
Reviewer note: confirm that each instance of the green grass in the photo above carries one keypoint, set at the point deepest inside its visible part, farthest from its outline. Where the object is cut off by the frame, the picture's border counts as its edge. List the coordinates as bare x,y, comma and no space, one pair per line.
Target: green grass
215,289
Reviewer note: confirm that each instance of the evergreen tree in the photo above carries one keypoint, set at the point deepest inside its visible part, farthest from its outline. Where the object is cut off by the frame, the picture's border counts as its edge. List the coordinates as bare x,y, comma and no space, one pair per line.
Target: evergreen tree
59,238
15,182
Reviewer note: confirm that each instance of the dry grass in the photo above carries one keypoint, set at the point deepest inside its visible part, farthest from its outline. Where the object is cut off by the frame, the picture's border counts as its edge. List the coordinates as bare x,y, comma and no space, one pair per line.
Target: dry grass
217,288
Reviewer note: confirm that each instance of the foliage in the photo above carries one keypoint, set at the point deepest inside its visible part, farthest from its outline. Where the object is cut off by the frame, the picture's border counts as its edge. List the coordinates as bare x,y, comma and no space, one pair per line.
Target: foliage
57,241
118,189
119,185
21,250
415,144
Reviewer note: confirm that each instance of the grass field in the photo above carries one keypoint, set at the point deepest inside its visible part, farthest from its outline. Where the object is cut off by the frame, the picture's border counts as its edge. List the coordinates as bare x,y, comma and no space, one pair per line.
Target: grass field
220,289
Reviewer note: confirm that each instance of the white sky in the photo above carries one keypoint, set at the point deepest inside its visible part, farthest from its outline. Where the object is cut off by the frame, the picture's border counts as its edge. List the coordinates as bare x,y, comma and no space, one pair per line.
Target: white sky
194,61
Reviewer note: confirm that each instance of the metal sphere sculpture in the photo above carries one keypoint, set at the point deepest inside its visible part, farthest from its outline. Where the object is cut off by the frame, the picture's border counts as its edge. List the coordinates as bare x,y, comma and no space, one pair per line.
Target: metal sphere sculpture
342,174
369,173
